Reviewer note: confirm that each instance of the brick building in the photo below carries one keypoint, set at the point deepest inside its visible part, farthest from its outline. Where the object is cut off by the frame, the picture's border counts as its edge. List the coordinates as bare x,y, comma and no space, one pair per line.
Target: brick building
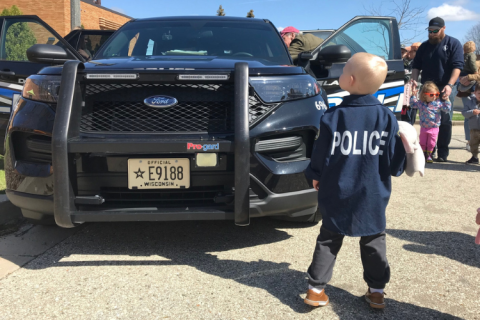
58,13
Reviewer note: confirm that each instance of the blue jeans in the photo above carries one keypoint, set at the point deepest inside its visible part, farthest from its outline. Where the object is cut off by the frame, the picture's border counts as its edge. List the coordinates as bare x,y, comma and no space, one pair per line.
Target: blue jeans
465,123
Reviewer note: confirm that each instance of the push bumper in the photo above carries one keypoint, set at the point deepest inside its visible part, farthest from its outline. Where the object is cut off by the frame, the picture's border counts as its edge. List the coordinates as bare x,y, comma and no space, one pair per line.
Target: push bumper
66,140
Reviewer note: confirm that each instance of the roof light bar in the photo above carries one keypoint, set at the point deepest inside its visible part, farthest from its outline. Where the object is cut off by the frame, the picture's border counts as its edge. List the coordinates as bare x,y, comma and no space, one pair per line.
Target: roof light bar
112,76
203,77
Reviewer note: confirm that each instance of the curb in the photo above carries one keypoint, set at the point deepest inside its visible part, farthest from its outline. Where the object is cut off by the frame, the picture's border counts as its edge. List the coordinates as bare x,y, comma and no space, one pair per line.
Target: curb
457,123
8,212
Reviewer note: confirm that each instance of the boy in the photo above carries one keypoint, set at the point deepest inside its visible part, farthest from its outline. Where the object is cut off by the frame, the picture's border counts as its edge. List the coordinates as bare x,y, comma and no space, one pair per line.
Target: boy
471,112
357,151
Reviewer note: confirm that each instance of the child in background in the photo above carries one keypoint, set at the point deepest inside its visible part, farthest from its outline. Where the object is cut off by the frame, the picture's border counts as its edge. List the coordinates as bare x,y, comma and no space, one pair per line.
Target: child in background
430,107
471,112
470,67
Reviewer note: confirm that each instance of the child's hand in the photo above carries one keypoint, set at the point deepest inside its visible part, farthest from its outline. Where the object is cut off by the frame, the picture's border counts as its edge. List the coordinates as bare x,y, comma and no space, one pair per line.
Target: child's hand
316,185
478,216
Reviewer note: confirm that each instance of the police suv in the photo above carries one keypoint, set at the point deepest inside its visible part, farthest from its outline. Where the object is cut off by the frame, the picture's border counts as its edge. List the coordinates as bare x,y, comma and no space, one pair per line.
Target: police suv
180,118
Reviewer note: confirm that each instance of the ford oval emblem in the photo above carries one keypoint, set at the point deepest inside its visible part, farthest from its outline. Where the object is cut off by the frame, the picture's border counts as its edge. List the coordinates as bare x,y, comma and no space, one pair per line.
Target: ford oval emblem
160,101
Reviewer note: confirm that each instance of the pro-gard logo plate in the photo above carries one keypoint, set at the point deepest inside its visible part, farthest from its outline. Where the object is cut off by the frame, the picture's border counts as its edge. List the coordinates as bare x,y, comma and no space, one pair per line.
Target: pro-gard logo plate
160,101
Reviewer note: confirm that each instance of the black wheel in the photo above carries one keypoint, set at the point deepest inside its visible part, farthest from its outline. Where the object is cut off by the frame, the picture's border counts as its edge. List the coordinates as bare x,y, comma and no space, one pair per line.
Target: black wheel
38,218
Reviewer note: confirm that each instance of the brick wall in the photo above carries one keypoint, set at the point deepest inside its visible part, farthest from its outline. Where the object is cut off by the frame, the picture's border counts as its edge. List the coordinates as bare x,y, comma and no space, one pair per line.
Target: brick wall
91,15
51,11
56,13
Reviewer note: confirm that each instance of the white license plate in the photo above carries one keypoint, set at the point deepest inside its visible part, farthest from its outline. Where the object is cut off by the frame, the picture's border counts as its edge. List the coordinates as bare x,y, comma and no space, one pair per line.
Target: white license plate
158,173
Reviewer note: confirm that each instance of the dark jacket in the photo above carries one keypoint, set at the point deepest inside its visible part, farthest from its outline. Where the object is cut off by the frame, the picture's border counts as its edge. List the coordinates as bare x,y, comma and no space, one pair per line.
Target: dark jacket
302,43
354,157
438,61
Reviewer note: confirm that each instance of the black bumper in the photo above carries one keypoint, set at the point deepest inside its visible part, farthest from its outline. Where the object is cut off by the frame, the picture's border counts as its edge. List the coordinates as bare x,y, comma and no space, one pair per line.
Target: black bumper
292,204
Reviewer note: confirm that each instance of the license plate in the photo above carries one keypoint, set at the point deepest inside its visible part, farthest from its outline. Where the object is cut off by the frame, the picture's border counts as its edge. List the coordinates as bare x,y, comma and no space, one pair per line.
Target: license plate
158,173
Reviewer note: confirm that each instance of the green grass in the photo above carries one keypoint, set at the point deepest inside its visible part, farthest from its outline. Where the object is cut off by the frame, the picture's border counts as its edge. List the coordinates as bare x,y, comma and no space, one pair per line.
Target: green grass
2,177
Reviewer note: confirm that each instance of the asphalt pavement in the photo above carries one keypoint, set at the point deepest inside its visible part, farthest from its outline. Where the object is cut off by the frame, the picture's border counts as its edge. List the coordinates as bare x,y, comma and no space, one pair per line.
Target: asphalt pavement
214,270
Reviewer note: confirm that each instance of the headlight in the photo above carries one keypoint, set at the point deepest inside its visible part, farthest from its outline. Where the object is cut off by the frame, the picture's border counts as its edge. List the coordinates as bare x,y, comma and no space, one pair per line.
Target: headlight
42,88
284,88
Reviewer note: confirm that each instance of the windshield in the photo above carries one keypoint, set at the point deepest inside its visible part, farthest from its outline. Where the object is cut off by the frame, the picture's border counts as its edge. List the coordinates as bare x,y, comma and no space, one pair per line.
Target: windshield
227,39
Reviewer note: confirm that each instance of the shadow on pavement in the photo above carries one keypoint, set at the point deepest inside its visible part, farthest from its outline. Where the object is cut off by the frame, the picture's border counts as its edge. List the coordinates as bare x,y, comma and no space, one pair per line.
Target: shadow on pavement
453,245
192,244
453,166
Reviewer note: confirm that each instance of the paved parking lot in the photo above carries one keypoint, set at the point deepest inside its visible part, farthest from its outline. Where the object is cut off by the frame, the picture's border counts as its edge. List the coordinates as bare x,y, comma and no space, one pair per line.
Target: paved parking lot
214,270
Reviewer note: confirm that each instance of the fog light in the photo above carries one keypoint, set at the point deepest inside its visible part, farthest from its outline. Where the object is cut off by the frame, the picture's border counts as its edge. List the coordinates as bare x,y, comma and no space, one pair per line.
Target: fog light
206,159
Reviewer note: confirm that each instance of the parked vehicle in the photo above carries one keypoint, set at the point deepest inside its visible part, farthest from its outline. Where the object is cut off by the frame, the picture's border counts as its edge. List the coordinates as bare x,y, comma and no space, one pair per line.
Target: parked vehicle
176,118
14,65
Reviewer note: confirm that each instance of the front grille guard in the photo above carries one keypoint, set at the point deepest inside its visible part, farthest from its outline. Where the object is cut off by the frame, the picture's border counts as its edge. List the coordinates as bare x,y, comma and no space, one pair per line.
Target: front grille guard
67,128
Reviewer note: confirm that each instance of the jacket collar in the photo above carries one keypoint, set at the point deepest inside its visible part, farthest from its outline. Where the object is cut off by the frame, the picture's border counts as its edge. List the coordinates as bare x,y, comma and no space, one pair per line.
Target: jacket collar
360,100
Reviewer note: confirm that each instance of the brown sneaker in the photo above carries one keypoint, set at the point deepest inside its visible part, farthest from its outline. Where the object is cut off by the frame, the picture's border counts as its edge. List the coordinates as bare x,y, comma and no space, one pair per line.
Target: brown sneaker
316,299
376,299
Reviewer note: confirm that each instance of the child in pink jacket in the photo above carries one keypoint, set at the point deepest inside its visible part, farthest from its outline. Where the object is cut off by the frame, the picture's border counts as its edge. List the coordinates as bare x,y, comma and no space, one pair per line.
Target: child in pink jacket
430,107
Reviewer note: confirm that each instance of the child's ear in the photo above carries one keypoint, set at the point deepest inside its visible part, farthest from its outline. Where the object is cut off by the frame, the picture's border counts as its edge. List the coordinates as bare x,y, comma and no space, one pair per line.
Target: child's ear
352,81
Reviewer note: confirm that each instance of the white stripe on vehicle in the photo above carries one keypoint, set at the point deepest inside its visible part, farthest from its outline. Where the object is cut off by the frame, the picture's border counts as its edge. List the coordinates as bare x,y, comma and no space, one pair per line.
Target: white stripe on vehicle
391,99
10,85
7,101
5,109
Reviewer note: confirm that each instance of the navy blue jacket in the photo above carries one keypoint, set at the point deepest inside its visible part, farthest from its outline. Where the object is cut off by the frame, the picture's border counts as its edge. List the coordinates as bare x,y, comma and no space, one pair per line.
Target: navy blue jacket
354,157
438,61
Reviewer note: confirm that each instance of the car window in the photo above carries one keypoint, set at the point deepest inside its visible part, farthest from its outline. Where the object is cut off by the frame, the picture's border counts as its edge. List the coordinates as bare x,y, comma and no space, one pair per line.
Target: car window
367,35
19,35
197,38
321,34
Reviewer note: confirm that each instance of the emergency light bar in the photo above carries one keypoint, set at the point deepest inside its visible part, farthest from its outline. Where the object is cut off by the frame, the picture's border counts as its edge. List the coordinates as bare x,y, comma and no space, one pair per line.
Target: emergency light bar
203,77
112,76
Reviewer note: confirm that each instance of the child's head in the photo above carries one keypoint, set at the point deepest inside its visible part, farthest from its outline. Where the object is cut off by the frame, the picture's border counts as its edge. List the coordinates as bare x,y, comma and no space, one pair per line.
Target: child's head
477,92
469,46
364,73
429,92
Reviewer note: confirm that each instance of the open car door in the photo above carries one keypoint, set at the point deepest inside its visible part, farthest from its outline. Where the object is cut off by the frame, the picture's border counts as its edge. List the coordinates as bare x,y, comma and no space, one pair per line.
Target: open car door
375,35
17,34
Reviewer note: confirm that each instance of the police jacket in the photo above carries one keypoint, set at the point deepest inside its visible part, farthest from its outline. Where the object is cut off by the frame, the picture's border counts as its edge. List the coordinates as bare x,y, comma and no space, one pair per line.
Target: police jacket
354,157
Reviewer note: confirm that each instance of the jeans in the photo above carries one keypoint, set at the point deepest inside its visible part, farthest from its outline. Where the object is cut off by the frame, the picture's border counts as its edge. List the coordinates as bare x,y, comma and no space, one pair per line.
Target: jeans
445,133
465,123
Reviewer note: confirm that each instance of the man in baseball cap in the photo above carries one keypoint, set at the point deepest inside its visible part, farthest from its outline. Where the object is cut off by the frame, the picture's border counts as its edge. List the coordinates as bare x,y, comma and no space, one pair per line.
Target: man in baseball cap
440,59
297,42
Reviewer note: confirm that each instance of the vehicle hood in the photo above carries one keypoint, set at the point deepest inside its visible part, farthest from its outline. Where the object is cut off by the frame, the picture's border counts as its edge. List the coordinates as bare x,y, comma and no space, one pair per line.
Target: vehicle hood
181,64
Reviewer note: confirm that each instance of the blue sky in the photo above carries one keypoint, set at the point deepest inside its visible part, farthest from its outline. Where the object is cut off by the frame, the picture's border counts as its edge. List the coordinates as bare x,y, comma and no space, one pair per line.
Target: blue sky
460,15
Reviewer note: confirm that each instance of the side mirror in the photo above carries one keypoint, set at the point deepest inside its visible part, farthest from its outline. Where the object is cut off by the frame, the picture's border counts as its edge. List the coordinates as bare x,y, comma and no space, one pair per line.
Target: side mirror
305,56
334,54
48,53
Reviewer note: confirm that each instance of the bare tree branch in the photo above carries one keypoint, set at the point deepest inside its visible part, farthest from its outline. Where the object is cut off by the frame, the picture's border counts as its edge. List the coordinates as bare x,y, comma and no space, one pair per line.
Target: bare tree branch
408,17
473,34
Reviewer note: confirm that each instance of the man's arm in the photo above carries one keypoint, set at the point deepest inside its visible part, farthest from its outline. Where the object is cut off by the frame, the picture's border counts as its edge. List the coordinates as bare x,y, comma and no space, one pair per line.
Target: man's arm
453,78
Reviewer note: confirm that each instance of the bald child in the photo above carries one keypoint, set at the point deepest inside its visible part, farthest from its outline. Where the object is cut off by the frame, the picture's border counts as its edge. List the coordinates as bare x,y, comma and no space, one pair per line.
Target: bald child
354,157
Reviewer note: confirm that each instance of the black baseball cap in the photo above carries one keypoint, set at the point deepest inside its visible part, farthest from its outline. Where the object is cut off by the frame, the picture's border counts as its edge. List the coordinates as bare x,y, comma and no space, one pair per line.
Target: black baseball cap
436,22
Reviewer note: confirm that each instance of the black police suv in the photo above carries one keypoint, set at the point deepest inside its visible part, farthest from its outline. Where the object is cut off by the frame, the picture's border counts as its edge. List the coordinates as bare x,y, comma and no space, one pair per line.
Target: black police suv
177,118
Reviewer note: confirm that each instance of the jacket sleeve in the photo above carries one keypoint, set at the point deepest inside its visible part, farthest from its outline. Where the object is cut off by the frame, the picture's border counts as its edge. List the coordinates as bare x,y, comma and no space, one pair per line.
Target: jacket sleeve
446,106
457,58
321,149
414,103
397,152
417,61
468,108
470,61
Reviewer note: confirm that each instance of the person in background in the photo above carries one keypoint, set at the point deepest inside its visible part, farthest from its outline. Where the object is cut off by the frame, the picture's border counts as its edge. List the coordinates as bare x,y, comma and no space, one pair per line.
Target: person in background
470,68
440,59
409,114
471,112
298,42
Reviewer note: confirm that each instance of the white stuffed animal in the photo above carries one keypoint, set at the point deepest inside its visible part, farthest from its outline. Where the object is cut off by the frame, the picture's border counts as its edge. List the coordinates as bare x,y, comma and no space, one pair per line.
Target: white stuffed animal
415,156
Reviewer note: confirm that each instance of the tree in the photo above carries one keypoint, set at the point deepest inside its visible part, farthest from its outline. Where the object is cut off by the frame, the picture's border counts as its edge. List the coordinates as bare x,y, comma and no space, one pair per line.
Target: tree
220,12
408,17
473,34
250,14
19,37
